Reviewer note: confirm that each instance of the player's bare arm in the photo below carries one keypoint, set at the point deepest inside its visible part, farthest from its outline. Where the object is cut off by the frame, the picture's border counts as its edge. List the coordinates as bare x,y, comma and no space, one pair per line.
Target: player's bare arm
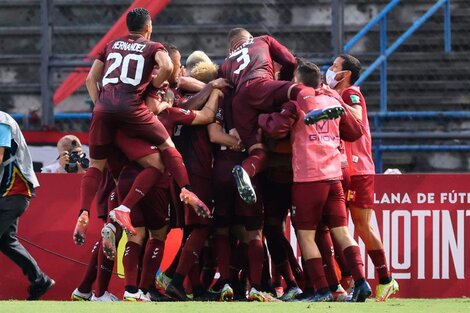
94,77
207,114
165,68
191,84
197,101
219,137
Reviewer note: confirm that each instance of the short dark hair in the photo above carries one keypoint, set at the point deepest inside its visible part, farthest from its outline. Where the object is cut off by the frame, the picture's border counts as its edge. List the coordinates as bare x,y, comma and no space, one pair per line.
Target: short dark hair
352,64
308,73
171,48
234,32
137,18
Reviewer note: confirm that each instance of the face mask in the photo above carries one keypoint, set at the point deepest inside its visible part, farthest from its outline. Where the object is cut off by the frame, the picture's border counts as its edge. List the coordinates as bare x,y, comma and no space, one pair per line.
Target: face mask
330,78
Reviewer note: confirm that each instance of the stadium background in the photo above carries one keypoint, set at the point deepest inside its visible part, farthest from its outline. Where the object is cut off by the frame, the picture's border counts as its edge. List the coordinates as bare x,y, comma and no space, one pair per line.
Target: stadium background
424,128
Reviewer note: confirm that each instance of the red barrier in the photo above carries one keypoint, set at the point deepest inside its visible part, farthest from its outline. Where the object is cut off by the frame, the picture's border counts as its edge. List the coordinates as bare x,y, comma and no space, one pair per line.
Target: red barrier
423,221
49,223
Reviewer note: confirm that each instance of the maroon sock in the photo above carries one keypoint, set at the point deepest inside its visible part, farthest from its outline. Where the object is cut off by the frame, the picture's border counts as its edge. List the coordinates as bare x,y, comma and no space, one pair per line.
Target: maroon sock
256,162
265,274
380,263
130,260
342,263
314,268
352,255
89,187
151,262
208,267
104,273
194,277
91,272
238,259
175,165
285,270
255,261
145,181
308,281
294,264
192,250
222,250
325,245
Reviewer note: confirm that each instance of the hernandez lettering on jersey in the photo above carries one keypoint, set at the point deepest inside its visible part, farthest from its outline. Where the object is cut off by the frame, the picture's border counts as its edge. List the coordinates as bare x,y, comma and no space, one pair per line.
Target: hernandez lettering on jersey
128,46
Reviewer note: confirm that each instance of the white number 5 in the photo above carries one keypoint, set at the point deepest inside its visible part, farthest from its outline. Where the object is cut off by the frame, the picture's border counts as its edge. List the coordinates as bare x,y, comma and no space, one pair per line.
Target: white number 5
118,60
244,57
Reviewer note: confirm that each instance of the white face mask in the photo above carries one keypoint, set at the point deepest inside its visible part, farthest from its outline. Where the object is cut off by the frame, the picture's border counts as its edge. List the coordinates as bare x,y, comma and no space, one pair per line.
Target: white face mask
330,78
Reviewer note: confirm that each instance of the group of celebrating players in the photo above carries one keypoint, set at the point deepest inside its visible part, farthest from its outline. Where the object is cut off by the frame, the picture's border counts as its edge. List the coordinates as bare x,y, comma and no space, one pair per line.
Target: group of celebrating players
224,152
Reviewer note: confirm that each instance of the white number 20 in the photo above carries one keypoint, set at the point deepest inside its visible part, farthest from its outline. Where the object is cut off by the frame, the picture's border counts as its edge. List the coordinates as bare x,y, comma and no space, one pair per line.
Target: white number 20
118,61
244,57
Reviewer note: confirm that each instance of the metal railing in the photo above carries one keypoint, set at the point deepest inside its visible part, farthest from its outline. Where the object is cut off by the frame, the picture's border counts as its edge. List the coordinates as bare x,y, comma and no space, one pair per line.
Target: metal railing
385,51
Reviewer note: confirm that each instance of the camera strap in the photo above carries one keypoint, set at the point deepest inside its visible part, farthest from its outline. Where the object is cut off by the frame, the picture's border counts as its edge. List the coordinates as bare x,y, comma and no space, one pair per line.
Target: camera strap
8,161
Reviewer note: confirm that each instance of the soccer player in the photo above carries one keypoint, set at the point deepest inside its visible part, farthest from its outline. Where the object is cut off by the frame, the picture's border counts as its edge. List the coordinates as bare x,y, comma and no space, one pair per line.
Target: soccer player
317,194
17,184
341,76
125,69
250,68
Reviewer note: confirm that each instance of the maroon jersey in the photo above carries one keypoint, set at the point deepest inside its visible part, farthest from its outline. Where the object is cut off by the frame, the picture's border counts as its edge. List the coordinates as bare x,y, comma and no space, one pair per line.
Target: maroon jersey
194,145
254,59
129,62
172,117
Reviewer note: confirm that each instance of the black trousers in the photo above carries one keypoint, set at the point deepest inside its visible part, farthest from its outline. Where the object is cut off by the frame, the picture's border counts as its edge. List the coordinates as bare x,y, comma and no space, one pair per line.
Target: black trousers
11,208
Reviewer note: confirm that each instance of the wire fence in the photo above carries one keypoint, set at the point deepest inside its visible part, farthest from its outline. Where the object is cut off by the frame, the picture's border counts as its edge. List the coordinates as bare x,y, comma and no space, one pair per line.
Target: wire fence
421,76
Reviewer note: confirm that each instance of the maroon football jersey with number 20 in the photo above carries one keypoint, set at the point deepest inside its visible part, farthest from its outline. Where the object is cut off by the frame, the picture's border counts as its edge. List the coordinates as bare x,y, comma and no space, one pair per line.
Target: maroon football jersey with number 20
129,62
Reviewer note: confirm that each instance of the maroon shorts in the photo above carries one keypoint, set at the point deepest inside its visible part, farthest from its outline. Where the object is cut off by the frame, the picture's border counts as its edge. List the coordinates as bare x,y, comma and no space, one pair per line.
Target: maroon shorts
139,123
316,202
252,216
202,187
133,148
361,191
254,97
152,210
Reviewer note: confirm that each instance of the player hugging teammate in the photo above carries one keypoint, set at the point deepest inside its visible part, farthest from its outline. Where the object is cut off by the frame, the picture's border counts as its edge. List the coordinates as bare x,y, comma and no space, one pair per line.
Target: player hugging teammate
223,153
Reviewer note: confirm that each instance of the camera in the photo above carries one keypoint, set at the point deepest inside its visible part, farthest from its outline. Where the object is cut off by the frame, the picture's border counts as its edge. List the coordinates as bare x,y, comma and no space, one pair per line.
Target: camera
74,157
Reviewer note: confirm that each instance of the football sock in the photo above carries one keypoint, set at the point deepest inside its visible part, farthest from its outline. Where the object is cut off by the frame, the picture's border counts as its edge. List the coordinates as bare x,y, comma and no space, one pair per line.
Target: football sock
325,245
130,260
294,92
285,270
105,271
191,250
256,162
314,269
255,261
352,255
144,182
89,187
380,263
151,262
222,250
175,165
209,267
90,274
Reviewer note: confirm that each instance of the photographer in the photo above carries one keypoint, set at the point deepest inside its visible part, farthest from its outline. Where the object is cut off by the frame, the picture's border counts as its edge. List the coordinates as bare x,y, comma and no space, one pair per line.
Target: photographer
71,157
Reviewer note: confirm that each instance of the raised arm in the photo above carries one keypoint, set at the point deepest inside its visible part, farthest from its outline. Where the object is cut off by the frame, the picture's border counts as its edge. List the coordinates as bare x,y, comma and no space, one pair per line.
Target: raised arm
284,57
165,68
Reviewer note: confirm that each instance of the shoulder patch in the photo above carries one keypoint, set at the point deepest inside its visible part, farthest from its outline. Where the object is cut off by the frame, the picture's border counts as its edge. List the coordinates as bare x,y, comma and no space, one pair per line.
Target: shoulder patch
186,112
355,99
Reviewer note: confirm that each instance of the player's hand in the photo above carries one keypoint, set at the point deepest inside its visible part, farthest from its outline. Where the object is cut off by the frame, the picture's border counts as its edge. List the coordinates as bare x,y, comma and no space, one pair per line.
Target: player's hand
220,83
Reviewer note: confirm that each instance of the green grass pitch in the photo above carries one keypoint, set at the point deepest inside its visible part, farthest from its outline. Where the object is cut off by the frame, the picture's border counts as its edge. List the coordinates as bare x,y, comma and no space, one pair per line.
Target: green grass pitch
393,305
